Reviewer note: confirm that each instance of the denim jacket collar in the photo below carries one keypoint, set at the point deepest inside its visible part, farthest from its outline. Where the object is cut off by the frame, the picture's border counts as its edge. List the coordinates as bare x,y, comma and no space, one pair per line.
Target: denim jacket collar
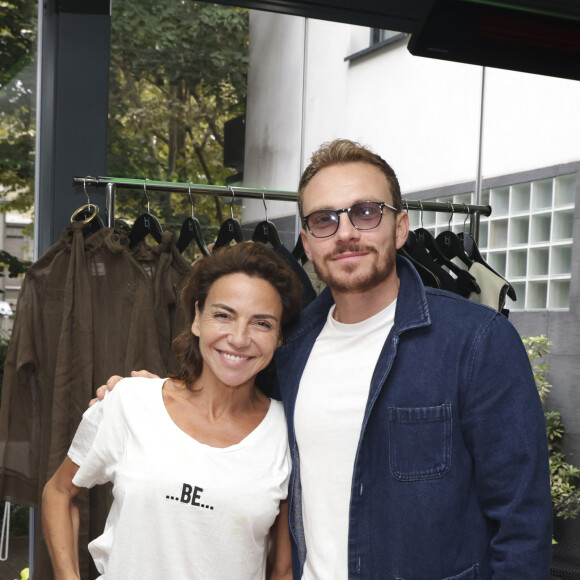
412,309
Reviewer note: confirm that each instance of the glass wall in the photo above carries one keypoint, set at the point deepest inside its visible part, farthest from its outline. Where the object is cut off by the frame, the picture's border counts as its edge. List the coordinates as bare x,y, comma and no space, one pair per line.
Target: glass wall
18,57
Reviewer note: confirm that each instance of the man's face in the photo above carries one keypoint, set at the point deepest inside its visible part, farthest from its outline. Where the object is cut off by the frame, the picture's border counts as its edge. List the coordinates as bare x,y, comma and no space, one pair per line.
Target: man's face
353,260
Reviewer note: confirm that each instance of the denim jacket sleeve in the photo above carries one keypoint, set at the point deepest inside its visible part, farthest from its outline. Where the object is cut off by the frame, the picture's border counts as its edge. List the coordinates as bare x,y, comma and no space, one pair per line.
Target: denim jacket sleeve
504,427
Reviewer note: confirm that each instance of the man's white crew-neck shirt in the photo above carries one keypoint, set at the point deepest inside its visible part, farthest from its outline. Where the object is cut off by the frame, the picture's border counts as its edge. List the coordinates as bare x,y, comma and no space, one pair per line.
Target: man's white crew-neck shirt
328,417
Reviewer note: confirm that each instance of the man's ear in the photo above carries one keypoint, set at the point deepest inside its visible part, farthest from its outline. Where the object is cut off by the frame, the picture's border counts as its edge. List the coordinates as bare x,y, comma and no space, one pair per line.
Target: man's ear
402,229
304,237
195,325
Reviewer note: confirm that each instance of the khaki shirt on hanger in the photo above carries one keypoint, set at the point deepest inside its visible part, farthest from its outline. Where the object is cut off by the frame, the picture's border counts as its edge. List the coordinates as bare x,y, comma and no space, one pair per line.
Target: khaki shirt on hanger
168,271
84,314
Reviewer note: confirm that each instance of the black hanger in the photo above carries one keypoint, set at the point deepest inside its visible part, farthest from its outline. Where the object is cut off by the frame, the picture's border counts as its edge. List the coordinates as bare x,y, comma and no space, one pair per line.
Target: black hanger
466,240
144,225
431,273
425,237
415,250
191,231
88,214
465,283
450,245
266,231
298,251
230,230
427,275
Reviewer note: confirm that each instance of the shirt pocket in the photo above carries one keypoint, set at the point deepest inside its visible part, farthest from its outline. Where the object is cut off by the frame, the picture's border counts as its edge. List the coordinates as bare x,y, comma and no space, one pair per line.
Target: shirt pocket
420,442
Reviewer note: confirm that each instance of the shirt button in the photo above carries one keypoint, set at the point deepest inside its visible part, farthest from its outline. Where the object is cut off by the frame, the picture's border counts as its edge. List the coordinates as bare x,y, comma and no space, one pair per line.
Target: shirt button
361,489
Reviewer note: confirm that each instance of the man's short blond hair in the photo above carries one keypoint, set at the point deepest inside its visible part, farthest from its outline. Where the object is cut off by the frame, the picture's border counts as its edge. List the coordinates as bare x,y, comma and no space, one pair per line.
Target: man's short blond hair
341,151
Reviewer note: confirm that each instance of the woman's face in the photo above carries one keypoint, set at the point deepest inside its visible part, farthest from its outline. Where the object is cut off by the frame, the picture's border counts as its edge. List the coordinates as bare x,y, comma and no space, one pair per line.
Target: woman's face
238,329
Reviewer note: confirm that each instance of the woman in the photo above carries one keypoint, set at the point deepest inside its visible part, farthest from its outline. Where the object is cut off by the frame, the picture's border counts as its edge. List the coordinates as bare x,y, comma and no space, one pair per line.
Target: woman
199,461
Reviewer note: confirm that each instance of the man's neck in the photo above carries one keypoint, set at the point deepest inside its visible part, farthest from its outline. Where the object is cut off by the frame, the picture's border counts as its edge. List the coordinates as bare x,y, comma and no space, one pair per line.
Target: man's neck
352,307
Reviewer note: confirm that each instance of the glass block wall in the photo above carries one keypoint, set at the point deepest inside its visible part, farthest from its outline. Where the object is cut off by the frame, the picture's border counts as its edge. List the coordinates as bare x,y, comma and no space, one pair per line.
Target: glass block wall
527,239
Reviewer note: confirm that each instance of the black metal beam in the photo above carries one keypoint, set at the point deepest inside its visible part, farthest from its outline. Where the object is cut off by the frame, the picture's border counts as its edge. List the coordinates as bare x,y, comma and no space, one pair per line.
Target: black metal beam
74,53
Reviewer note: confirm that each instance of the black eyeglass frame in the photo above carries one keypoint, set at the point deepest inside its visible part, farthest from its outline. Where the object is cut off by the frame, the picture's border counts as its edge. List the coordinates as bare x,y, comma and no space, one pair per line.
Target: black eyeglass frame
346,210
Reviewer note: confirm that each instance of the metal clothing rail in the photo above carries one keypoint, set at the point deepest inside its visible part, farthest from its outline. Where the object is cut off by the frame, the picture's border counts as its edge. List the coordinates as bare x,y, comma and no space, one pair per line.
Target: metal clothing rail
147,185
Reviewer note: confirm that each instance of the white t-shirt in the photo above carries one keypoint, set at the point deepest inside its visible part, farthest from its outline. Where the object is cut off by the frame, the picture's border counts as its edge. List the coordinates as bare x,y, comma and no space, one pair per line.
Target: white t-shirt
328,418
181,509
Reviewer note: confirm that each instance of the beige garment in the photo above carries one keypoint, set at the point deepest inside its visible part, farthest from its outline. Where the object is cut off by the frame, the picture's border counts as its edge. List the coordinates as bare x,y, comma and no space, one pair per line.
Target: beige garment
493,287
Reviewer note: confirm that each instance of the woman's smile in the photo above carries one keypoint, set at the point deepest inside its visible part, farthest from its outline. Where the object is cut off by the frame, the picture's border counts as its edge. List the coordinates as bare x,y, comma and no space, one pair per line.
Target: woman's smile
234,357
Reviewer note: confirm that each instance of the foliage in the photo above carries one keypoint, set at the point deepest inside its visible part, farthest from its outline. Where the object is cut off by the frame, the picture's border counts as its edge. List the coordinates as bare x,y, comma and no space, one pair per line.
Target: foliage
564,476
178,72
17,106
3,352
19,518
16,266
538,347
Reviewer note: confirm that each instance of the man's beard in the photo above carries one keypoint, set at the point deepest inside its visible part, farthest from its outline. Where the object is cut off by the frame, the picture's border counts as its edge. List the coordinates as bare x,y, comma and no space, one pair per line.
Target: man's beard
379,272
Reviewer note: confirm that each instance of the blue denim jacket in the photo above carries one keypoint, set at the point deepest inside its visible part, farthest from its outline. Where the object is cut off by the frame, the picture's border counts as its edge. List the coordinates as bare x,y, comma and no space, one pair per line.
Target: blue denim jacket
451,477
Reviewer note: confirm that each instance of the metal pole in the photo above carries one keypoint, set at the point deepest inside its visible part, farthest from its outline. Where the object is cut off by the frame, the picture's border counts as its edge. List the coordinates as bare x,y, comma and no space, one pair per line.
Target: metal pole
219,190
474,223
110,204
215,190
480,145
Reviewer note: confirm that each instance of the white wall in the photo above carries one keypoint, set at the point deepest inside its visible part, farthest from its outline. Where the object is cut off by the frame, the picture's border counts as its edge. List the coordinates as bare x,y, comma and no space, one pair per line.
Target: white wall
530,121
421,115
274,110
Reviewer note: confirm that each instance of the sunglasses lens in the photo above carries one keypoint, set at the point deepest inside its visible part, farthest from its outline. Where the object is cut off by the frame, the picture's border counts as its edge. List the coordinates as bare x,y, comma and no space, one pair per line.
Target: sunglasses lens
366,215
323,223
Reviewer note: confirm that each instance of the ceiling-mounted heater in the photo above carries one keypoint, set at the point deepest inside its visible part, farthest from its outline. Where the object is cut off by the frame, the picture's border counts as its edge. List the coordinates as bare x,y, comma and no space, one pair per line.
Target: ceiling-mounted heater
534,36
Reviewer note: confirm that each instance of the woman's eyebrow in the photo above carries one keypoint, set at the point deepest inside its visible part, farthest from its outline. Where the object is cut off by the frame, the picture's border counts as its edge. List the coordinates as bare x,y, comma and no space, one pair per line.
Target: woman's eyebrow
233,311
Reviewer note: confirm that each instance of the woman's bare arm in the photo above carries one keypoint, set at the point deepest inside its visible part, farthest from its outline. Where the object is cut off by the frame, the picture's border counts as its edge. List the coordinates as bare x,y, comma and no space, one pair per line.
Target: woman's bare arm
281,554
60,521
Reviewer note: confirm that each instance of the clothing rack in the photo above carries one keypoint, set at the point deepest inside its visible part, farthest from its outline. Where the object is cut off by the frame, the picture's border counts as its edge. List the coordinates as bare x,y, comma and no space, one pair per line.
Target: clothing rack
147,185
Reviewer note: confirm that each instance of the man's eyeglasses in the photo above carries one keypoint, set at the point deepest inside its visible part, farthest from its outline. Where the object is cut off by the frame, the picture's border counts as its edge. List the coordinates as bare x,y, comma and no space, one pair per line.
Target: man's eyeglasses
364,215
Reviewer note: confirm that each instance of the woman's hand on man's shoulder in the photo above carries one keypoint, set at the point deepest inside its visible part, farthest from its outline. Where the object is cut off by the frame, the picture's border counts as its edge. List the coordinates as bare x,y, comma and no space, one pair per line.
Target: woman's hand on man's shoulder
112,381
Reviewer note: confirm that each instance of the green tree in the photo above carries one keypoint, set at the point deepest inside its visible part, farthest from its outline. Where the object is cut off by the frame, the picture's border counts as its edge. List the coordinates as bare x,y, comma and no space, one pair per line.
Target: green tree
563,475
178,73
17,103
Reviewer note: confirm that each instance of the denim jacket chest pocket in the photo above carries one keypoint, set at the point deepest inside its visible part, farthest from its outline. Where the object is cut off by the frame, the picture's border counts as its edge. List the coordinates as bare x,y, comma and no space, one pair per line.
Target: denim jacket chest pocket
420,441
471,574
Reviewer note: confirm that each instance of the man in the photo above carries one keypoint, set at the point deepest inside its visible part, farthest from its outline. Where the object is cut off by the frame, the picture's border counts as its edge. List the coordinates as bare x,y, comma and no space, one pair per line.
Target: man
417,435
418,438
